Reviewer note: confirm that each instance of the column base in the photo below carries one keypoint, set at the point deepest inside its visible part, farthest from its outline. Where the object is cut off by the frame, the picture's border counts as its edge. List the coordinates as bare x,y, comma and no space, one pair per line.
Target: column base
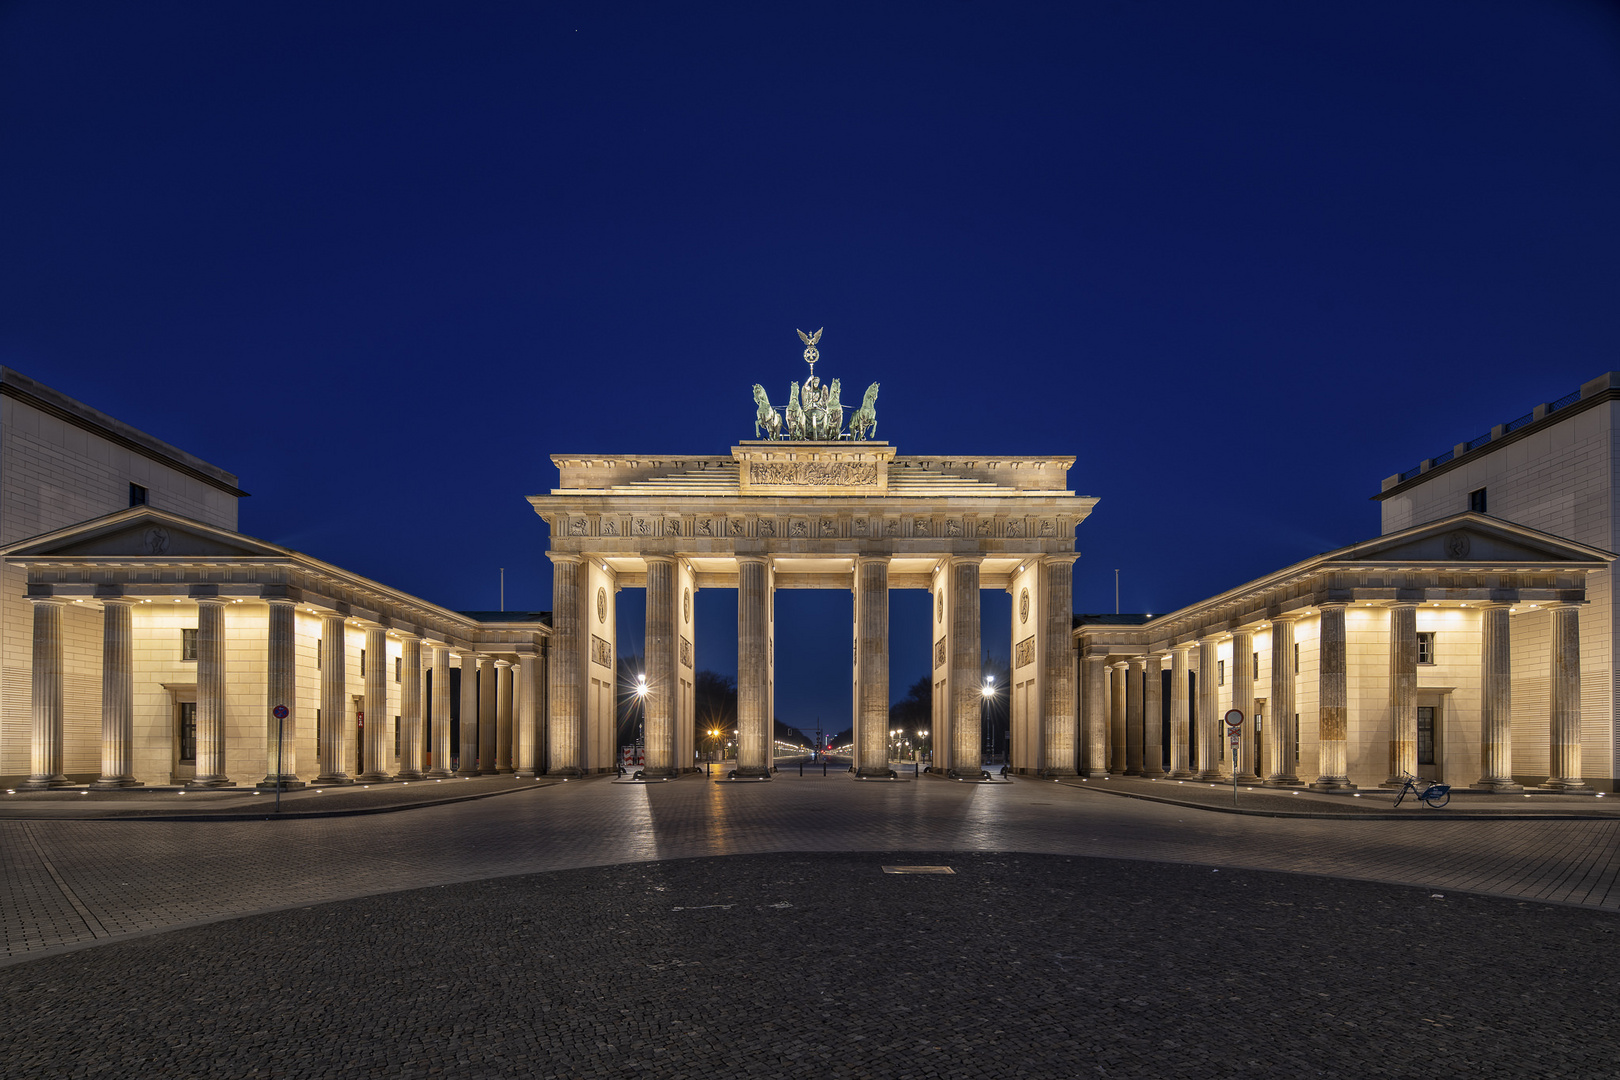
1249,778
1152,774
1282,781
1057,774
1096,774
468,773
116,785
749,774
437,774
1334,784
506,771
373,778
408,774
288,783
1573,787
1132,772
45,783
1212,776
1179,774
219,782
660,774
1491,785
334,780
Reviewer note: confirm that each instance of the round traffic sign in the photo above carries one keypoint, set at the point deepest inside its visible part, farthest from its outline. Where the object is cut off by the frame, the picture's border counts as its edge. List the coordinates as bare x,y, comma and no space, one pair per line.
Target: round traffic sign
279,712
1234,718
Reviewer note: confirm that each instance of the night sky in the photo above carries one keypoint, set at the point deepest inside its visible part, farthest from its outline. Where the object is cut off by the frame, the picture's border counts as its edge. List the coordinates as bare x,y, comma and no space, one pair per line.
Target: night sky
1242,259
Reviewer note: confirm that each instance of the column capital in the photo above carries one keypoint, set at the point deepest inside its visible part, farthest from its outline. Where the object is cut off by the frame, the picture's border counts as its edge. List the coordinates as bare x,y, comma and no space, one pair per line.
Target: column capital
884,559
1337,605
1068,558
661,559
565,557
1155,657
1211,638
280,601
117,601
1138,662
1121,665
1182,648
1286,617
1393,604
503,663
203,601
1563,605
963,560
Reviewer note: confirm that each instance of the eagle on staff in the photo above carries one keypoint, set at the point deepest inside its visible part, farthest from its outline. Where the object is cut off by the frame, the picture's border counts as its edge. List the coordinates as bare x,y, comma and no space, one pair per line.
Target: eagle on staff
814,411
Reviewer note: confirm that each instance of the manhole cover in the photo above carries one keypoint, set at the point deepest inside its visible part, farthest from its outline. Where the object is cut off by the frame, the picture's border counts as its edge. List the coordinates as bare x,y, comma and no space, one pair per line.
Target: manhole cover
918,870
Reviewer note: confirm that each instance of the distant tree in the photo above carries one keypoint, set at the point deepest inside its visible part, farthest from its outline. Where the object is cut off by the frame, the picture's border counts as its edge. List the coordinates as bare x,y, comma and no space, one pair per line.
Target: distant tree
915,711
628,708
715,699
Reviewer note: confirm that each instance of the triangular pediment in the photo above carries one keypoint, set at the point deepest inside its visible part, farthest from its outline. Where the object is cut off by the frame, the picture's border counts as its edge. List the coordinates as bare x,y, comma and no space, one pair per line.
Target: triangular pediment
1471,538
143,533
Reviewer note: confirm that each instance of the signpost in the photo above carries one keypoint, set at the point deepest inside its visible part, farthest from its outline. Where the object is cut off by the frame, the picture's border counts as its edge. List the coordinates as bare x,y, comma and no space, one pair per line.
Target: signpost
280,713
1234,732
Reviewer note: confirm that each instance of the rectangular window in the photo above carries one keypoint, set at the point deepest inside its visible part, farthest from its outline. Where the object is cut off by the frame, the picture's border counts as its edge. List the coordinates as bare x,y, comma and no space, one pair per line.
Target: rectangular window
1220,673
1296,658
1296,739
317,654
1425,644
362,663
1425,746
1256,666
187,733
399,664
1476,501
188,644
317,734
396,736
137,495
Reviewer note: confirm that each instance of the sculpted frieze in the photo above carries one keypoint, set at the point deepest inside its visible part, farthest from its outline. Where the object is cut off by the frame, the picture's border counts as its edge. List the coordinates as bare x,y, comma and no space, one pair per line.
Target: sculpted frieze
814,473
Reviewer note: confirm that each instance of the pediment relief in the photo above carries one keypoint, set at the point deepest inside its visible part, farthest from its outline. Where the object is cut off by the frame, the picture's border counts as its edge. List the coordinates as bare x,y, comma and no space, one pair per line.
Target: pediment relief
1471,540
145,536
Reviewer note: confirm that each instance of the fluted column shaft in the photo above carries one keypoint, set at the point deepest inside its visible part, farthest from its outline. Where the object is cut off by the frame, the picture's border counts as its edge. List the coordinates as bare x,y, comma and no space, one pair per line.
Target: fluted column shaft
1496,699
1119,674
1180,710
210,694
753,667
1402,693
531,675
658,704
1134,709
872,665
281,689
1096,676
487,730
411,748
1240,675
967,694
46,700
1564,685
117,695
334,700
1280,766
1058,754
467,765
440,765
564,746
1209,718
1153,716
1333,759
503,716
378,754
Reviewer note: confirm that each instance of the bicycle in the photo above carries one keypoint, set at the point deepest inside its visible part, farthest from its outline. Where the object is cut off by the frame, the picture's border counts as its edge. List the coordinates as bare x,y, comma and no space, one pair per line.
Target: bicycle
1429,793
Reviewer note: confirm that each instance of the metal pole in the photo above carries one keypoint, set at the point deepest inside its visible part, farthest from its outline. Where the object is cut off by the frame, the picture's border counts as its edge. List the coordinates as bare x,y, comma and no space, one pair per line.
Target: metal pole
503,588
1116,591
278,764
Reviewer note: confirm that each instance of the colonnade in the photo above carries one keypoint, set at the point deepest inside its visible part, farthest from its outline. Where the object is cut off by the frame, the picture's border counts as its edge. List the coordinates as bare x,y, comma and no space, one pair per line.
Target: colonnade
501,730
1123,703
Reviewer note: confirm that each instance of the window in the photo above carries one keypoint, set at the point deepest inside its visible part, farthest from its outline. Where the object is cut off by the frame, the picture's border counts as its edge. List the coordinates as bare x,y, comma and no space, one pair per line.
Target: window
1220,673
188,644
1296,738
1425,733
317,731
1256,665
187,733
396,736
1296,658
137,495
399,663
1476,501
317,654
1425,643
362,663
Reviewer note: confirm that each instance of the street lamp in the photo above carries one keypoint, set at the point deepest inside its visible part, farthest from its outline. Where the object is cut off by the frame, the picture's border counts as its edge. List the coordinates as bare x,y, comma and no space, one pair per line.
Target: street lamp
986,693
641,728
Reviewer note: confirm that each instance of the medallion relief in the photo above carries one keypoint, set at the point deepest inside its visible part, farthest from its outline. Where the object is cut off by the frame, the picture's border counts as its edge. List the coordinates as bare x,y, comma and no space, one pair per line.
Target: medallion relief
1023,606
686,605
601,605
939,606
1458,545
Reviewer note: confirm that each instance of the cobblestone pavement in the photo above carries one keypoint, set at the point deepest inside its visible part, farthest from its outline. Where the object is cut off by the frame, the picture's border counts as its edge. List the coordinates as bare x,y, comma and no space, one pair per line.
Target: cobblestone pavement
821,965
1301,801
72,883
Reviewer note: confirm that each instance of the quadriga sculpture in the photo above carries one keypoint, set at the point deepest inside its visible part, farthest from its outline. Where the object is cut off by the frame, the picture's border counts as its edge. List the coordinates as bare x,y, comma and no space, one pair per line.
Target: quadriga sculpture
765,416
863,424
795,414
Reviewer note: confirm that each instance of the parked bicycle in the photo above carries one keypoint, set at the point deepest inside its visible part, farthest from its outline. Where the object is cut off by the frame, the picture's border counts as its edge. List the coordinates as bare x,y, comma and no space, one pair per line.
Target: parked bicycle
1429,793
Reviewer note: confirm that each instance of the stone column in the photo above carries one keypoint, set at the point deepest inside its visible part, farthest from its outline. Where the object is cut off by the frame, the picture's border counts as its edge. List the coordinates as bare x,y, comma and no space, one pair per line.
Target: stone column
410,708
872,665
487,730
529,761
503,716
1496,700
334,700
967,696
1134,709
753,667
468,763
564,749
117,695
1056,577
1402,693
1096,668
1153,717
1280,766
663,672
211,694
1333,703
281,689
441,714
1240,675
1180,710
1116,716
47,704
378,752
1564,684
1209,710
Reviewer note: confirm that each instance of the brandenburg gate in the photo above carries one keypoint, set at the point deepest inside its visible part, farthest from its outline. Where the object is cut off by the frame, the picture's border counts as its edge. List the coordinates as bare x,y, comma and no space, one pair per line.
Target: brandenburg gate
808,505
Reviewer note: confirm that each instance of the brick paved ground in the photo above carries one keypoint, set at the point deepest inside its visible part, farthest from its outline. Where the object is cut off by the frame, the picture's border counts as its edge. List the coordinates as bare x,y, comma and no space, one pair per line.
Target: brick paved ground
74,883
811,964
